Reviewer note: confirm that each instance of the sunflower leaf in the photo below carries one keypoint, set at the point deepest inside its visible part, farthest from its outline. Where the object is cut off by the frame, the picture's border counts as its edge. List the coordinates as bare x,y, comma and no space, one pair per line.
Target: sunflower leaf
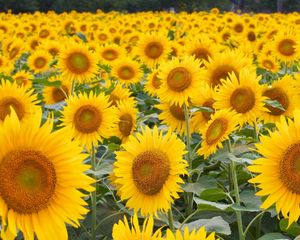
202,109
274,104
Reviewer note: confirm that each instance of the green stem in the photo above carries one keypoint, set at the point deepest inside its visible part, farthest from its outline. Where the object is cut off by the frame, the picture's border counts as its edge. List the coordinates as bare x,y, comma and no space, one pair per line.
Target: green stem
188,218
237,195
252,221
255,132
189,158
171,220
258,226
94,195
72,87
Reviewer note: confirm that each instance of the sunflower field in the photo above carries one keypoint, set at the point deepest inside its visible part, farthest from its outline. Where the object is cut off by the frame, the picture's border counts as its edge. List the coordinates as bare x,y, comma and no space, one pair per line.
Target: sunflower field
150,126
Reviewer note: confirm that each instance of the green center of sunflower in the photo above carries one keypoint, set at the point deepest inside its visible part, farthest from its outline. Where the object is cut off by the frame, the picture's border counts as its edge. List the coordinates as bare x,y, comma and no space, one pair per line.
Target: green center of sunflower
289,171
78,62
216,130
208,103
278,95
110,54
125,124
177,112
126,72
286,47
179,79
40,62
242,100
153,50
150,171
221,72
6,103
87,119
28,181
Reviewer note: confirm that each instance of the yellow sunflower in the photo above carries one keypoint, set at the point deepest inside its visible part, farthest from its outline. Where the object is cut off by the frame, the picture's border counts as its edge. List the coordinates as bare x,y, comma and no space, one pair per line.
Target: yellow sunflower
126,115
279,175
127,71
17,97
152,48
43,173
186,235
54,95
224,63
152,83
39,61
268,62
283,91
118,94
89,118
109,53
77,63
243,94
180,80
217,130
204,98
122,230
23,78
148,171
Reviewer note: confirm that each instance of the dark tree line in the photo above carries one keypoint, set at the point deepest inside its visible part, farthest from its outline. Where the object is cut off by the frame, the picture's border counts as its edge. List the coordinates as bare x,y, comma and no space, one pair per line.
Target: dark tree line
18,6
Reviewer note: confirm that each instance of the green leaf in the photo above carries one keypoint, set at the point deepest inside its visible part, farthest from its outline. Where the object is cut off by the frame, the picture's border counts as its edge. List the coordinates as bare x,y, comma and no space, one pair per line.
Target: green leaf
293,230
274,236
81,36
208,205
204,182
202,109
215,224
214,194
274,104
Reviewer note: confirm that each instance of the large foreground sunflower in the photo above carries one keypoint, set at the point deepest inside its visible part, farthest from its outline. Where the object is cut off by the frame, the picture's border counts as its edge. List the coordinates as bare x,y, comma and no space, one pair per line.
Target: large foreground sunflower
148,171
41,174
89,117
279,175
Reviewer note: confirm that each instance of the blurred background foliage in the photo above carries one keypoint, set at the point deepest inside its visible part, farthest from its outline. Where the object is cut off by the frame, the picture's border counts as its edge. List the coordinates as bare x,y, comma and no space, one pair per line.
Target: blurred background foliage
18,6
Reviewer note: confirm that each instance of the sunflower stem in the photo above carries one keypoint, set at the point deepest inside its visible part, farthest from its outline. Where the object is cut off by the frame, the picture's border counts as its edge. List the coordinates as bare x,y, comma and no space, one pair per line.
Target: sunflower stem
72,87
255,132
237,194
188,145
171,220
252,221
94,195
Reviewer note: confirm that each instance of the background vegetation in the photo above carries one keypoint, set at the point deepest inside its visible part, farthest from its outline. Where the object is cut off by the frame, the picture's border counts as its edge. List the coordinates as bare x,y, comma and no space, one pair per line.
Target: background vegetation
18,6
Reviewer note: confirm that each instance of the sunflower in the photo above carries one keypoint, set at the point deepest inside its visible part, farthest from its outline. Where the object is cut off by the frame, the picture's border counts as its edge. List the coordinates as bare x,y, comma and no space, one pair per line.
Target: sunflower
23,78
39,61
89,118
186,235
15,49
148,170
122,230
127,71
152,83
173,116
243,94
126,115
152,48
268,62
16,97
224,63
43,173
284,47
204,98
283,91
54,94
279,176
180,80
77,63
53,47
110,53
118,94
217,130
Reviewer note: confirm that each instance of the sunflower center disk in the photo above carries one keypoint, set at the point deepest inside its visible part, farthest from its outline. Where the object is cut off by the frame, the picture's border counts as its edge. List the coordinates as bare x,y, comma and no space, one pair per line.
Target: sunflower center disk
155,81
179,79
290,168
201,53
209,103
150,171
125,124
268,64
87,119
216,130
126,72
286,47
58,95
222,72
177,112
154,50
110,55
242,100
40,62
278,95
13,52
78,63
28,181
21,80
6,103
